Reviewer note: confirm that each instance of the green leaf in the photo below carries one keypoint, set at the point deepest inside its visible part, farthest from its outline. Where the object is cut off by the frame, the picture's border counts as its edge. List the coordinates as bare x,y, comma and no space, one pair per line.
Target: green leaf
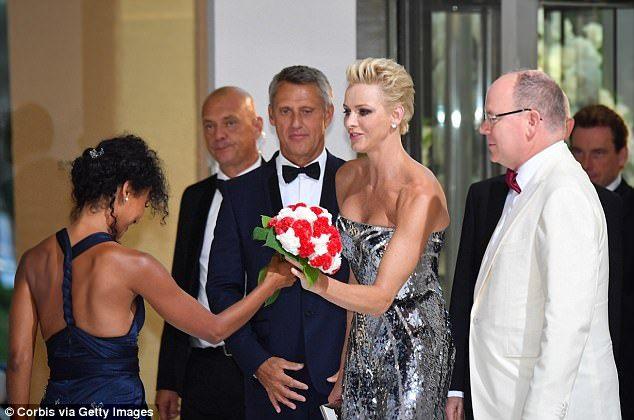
272,242
311,273
261,276
271,300
265,221
259,234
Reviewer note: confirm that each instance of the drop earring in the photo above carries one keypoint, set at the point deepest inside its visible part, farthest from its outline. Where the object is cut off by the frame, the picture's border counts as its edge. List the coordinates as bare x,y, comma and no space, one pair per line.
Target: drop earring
393,125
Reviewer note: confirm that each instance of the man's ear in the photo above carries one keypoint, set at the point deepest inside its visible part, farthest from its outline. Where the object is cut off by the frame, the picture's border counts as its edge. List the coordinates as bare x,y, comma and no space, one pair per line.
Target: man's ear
330,111
623,156
533,122
570,125
271,117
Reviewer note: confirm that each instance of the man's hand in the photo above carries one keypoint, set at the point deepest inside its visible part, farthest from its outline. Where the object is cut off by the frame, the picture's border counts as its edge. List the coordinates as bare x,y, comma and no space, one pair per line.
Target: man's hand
278,384
454,409
167,404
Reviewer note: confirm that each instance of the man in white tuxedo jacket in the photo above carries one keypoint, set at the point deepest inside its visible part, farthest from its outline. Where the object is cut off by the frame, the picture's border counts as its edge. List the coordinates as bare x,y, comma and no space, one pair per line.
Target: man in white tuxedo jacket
539,344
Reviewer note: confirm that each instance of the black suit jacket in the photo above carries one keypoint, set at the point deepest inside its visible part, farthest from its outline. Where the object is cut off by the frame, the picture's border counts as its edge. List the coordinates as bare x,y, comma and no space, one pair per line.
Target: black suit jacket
192,220
483,209
300,326
626,362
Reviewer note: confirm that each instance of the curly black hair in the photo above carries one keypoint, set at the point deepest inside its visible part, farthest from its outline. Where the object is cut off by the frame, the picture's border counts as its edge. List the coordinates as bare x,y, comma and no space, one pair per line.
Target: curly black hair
99,171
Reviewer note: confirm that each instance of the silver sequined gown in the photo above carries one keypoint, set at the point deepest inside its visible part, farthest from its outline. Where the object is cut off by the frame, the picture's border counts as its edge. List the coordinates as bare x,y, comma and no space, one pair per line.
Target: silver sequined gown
398,364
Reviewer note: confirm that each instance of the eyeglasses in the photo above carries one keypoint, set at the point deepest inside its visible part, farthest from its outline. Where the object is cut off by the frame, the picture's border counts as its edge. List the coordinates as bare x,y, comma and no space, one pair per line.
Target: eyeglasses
493,118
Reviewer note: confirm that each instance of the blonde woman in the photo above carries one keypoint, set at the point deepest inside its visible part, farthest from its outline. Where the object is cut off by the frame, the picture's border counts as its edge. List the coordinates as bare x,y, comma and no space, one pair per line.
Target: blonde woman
397,359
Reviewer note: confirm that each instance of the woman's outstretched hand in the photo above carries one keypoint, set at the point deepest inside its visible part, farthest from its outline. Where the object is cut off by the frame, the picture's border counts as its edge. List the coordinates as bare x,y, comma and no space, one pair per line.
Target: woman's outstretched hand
279,273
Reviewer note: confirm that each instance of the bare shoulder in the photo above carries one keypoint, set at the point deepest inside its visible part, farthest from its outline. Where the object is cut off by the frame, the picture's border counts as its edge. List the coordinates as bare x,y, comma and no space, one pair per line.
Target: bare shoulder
37,256
422,183
422,198
349,171
127,261
349,174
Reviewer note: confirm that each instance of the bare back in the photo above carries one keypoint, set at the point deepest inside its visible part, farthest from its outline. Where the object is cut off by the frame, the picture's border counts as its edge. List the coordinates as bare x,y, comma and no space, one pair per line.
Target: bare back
103,305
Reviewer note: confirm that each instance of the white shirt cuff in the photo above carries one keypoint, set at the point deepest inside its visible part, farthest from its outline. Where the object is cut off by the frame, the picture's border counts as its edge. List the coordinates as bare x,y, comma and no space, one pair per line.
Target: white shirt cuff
455,394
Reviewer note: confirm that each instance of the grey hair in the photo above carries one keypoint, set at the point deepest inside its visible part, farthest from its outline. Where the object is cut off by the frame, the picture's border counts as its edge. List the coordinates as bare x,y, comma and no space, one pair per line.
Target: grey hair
302,75
536,90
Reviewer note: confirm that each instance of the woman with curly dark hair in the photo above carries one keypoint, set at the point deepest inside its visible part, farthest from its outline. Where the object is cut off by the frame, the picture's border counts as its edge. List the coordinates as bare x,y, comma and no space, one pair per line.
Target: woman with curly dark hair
86,291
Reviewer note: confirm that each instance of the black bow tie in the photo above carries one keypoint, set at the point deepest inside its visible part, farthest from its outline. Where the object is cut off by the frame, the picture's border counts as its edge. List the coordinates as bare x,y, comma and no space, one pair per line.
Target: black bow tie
221,184
289,173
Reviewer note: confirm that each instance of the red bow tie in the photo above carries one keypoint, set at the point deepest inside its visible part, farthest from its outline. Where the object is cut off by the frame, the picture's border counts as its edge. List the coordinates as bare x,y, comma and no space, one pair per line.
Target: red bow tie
511,180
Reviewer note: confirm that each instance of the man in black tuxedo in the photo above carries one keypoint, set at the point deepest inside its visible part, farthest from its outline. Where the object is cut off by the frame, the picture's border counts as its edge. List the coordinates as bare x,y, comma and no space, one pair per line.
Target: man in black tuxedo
483,209
288,349
205,375
599,143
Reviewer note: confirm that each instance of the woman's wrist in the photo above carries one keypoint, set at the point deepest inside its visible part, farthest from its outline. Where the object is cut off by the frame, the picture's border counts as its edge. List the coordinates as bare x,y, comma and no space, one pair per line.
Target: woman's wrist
321,284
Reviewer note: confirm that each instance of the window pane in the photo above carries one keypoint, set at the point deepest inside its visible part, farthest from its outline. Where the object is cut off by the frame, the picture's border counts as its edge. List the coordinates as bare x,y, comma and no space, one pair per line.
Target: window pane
589,52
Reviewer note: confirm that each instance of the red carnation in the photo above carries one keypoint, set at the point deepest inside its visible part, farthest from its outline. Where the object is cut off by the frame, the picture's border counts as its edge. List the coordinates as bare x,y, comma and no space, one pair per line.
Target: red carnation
281,226
302,229
323,261
320,226
317,210
334,246
306,247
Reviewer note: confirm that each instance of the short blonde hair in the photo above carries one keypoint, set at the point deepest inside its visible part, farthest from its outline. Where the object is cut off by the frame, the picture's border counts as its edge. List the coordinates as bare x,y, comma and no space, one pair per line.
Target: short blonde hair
395,83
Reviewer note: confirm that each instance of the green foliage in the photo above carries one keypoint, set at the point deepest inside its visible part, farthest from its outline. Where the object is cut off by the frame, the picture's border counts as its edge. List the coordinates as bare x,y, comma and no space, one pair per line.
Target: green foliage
267,234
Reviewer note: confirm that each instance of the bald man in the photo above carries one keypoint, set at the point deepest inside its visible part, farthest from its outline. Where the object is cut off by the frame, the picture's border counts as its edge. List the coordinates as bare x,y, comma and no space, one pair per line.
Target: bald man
539,341
205,376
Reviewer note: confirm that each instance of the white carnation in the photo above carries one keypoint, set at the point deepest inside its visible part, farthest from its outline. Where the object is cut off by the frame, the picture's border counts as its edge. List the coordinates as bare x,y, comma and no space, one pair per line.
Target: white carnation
285,212
289,241
321,244
304,213
336,263
326,214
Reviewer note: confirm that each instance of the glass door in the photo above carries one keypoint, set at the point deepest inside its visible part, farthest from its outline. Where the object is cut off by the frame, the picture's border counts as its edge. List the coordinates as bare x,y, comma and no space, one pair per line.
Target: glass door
451,48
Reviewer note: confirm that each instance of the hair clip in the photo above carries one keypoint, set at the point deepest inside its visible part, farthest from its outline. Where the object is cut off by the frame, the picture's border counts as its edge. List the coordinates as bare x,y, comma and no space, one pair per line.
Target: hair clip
95,153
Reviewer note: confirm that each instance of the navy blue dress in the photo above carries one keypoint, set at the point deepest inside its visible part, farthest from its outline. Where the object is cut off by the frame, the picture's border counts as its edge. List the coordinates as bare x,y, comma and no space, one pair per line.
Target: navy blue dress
88,370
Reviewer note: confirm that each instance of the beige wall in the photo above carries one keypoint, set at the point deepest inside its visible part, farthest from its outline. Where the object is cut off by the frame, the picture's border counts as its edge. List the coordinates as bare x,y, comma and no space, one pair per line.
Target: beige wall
85,70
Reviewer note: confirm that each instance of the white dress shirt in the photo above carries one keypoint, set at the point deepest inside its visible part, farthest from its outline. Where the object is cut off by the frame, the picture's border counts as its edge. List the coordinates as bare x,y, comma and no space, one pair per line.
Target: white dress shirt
303,188
615,184
525,174
203,260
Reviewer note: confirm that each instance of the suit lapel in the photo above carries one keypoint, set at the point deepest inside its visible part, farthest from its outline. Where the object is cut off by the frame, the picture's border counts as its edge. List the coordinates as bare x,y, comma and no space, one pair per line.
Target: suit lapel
328,199
198,228
273,186
518,207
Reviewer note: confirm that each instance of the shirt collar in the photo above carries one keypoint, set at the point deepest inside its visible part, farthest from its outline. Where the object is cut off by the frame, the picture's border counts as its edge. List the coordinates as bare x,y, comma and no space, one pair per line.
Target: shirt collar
615,184
281,160
527,171
224,177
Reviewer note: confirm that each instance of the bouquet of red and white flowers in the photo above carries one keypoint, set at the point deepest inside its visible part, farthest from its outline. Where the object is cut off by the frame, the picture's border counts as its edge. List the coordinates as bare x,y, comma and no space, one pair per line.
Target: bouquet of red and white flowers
305,234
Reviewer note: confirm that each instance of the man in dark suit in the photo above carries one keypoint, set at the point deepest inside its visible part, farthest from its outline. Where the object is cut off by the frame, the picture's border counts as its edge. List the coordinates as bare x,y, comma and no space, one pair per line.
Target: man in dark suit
599,143
205,375
483,209
289,349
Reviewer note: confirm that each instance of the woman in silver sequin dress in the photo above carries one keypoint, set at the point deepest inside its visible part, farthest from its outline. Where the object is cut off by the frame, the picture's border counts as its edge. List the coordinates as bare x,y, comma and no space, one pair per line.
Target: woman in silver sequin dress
398,354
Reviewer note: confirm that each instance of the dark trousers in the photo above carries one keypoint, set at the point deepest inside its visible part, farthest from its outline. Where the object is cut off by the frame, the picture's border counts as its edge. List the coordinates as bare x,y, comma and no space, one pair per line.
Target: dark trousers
213,387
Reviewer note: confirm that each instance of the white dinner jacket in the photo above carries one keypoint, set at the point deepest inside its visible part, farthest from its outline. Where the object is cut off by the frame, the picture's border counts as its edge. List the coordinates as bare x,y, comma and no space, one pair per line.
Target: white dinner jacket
539,344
